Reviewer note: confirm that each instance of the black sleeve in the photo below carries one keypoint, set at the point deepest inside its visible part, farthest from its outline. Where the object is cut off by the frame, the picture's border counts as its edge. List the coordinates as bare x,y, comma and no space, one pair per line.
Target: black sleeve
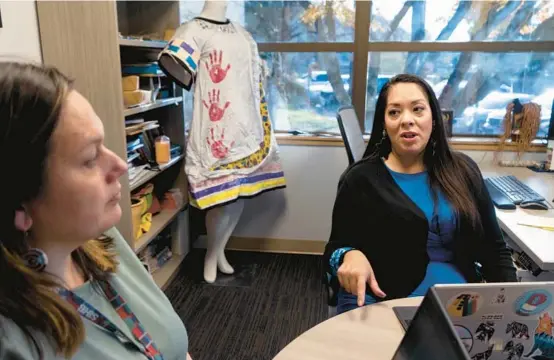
495,257
350,220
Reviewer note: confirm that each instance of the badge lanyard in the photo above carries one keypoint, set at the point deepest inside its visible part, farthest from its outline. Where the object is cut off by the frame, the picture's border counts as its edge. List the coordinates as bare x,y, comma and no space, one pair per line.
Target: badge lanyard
88,311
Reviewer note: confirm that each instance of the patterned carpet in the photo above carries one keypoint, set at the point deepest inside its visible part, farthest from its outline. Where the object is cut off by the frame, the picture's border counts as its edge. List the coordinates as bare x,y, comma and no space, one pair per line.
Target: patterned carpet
271,300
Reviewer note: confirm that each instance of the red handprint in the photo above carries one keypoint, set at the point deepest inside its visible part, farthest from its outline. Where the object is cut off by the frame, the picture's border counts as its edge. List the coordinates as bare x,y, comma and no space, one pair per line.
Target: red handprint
218,148
217,73
216,112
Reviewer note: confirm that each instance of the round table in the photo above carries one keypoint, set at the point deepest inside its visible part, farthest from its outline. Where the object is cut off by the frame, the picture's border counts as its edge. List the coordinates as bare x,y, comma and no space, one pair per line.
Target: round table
369,332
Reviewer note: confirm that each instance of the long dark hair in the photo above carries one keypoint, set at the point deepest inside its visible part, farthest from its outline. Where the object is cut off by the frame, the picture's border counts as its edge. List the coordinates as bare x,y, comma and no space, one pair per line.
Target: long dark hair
31,99
448,171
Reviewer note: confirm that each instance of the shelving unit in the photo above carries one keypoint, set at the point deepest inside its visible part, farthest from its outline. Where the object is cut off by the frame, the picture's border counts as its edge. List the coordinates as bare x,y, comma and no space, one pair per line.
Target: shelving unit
163,276
96,33
152,174
155,105
151,44
159,223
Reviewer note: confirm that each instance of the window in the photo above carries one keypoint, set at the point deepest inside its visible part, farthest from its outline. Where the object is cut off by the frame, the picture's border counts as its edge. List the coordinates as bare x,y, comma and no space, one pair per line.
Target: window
478,96
462,21
286,21
305,90
299,21
477,55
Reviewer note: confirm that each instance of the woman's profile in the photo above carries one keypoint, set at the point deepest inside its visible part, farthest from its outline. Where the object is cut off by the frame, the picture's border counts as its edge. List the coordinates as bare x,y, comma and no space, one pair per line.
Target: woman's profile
71,286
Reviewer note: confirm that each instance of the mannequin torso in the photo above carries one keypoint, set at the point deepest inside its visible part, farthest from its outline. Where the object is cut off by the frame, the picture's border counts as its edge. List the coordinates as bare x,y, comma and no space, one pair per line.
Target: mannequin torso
215,10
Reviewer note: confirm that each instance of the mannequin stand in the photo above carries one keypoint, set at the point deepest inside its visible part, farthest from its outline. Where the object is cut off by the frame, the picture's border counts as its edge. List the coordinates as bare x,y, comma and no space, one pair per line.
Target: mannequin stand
220,223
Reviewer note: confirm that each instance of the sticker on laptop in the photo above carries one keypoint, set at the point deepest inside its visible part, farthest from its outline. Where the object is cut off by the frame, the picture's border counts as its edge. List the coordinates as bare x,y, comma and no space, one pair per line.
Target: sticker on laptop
484,355
514,350
465,336
500,298
492,317
543,339
464,304
485,331
532,302
517,330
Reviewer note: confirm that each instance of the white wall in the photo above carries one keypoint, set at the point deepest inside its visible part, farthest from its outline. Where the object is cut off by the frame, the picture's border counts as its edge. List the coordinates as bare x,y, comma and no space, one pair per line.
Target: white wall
19,35
303,210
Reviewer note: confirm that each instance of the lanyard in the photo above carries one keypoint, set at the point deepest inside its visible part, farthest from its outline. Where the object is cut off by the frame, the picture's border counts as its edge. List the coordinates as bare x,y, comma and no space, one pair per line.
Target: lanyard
88,311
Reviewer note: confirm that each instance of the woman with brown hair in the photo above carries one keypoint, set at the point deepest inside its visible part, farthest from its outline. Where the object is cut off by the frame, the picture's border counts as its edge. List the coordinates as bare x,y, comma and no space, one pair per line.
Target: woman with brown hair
412,213
62,294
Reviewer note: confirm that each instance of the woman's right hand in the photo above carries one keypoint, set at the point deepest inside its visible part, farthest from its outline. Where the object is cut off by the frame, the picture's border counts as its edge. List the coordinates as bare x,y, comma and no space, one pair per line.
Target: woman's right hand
355,272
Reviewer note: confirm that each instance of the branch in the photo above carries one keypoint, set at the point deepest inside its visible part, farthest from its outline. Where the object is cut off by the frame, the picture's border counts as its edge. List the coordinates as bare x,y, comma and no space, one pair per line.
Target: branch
459,14
330,60
447,31
397,19
448,95
418,34
375,58
481,86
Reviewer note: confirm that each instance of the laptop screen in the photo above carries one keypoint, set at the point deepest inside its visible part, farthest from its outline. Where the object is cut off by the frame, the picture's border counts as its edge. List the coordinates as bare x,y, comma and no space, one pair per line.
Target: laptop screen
430,335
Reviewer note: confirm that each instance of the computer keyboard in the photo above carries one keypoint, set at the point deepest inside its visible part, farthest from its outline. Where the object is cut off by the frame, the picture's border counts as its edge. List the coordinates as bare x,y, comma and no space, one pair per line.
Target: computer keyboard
508,191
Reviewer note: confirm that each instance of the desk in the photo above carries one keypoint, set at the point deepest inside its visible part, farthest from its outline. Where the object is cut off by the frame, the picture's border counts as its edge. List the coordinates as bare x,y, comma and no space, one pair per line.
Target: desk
538,244
370,332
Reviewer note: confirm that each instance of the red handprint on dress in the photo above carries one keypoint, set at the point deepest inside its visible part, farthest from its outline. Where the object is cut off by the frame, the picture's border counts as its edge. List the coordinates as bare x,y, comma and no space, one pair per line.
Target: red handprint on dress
215,69
215,111
218,148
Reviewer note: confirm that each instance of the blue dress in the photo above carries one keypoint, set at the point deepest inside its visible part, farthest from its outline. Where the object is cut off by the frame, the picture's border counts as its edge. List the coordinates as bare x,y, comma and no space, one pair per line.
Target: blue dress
442,227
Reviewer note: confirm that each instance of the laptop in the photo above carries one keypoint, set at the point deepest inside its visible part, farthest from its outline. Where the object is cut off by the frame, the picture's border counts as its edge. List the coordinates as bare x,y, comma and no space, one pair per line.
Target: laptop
497,321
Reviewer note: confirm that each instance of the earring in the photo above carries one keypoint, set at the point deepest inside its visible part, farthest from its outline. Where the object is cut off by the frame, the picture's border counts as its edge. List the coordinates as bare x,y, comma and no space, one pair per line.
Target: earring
384,134
36,259
434,145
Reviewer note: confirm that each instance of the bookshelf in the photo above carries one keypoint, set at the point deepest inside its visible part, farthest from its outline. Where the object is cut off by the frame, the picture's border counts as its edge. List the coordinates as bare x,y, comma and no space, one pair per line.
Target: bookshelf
155,105
163,276
152,174
159,223
150,44
98,35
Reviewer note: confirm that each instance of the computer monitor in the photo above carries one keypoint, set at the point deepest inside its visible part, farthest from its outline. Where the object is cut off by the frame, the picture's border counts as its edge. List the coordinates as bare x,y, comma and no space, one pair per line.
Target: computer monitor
550,135
550,144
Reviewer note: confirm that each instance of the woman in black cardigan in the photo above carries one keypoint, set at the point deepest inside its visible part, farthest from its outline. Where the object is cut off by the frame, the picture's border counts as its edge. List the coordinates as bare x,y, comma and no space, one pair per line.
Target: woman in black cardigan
412,213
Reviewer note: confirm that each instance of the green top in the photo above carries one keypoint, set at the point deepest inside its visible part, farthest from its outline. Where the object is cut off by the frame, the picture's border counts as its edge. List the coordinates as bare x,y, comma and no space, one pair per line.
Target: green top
145,299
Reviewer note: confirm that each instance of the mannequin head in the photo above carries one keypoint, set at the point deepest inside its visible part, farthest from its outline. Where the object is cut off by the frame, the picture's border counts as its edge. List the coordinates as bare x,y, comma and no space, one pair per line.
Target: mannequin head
215,10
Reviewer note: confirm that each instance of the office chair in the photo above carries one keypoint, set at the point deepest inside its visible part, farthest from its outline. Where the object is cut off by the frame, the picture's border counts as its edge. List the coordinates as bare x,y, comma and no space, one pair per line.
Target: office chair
355,147
351,133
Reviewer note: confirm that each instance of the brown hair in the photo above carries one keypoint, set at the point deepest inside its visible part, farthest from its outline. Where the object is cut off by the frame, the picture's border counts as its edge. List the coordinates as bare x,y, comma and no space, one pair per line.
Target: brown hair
31,99
449,172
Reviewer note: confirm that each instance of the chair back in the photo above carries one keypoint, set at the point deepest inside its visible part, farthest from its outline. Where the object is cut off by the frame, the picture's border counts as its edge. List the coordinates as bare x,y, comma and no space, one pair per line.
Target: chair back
351,133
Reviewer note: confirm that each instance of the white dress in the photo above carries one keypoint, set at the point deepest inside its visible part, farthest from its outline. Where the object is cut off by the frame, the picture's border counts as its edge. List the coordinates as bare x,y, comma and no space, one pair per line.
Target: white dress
231,150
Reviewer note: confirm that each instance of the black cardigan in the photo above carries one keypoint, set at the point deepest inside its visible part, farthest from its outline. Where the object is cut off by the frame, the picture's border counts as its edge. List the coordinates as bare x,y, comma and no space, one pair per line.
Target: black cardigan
373,215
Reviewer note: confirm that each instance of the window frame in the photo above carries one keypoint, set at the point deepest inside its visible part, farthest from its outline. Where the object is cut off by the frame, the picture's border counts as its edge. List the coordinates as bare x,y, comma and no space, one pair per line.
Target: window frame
362,46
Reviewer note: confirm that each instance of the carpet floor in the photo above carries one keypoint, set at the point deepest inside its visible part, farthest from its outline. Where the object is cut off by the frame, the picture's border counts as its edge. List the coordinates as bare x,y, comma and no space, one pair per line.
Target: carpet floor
251,315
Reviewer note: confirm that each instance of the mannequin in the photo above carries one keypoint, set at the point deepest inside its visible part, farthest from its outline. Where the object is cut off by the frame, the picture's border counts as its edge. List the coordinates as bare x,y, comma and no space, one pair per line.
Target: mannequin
220,221
231,150
215,10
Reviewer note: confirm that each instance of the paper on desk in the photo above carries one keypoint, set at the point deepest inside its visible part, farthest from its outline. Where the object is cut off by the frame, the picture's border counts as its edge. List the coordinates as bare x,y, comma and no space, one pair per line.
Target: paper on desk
543,222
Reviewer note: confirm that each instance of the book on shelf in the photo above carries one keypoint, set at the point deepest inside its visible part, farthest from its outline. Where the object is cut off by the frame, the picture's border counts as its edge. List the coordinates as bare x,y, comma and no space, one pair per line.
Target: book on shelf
158,252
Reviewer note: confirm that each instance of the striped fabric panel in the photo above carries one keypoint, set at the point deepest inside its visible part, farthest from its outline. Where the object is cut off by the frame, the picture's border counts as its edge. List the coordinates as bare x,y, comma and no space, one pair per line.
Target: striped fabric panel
240,189
185,52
